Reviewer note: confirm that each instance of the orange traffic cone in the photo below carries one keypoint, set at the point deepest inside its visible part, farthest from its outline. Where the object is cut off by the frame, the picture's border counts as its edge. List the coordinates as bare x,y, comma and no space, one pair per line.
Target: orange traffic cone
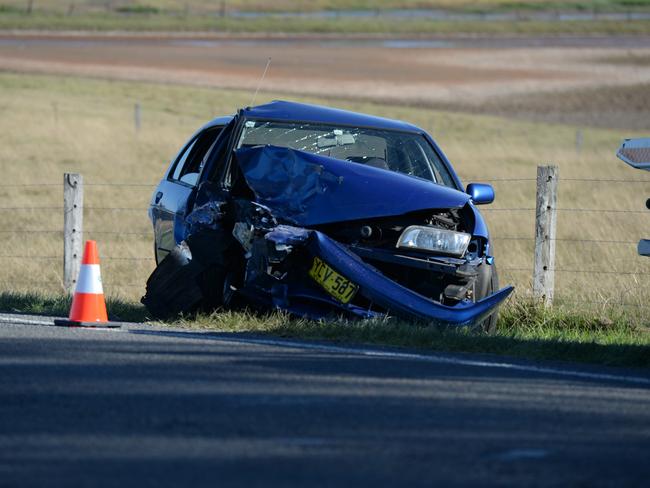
88,306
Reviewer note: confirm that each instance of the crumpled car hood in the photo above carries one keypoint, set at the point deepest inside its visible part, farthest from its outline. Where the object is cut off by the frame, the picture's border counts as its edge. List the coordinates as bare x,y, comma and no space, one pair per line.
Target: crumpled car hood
308,189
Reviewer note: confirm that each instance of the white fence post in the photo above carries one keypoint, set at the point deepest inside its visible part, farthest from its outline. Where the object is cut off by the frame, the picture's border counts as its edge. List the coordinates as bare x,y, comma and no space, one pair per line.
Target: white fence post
545,221
73,201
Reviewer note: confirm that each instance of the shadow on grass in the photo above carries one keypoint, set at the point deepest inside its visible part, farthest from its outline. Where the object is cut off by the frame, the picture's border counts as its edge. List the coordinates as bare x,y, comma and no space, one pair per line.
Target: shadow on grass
525,330
59,305
556,347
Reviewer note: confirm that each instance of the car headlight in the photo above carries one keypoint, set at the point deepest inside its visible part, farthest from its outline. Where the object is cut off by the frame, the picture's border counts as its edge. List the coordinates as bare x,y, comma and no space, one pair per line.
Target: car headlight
434,239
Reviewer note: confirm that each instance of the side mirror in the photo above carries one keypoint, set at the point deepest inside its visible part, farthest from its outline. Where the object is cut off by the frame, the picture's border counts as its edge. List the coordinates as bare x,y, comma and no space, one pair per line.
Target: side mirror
480,193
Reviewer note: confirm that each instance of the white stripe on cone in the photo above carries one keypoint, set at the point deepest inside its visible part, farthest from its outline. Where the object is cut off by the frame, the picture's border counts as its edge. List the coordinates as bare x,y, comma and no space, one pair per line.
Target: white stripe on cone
90,279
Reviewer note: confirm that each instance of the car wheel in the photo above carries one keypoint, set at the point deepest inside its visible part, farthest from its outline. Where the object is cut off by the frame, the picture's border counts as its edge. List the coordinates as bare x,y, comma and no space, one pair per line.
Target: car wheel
212,282
486,284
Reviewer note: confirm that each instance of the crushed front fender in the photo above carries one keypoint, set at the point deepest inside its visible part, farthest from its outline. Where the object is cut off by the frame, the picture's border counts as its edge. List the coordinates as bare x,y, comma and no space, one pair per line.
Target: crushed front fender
373,285
392,296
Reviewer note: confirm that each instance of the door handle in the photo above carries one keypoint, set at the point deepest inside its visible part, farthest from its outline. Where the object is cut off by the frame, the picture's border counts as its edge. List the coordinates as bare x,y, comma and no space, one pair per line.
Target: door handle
159,195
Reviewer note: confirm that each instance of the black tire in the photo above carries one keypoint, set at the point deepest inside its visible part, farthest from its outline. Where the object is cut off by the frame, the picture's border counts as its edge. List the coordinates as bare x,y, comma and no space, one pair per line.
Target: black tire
486,284
212,282
216,252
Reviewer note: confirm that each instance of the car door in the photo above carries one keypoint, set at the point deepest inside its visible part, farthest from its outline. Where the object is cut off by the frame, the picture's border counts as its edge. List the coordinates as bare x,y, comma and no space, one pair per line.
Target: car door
170,197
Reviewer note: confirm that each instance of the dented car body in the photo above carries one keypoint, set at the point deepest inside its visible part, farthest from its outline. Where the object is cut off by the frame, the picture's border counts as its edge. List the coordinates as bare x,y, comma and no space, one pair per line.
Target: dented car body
319,211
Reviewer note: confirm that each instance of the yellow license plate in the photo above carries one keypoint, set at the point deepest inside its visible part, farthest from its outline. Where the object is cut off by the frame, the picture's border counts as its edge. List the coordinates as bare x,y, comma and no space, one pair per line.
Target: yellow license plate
336,285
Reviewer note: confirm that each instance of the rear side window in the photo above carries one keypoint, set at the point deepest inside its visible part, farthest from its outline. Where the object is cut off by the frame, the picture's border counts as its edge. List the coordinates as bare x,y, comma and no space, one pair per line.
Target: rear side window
194,156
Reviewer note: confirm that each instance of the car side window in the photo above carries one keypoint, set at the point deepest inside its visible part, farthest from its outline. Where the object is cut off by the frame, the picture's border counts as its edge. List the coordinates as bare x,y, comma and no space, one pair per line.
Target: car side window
182,159
191,161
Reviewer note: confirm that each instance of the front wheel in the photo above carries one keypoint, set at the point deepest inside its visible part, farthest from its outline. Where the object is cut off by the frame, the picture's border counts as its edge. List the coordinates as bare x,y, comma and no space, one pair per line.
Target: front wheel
212,283
486,284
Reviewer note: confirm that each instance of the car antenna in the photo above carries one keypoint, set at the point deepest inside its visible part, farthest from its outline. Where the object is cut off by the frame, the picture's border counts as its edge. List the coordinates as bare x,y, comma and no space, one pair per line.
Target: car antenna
259,83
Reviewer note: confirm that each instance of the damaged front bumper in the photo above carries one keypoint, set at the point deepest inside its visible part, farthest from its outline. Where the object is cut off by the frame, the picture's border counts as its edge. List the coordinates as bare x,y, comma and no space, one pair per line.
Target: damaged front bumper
278,261
295,295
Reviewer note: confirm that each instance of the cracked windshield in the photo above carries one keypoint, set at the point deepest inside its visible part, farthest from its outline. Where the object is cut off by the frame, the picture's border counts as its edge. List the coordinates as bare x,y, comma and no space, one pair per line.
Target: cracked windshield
402,152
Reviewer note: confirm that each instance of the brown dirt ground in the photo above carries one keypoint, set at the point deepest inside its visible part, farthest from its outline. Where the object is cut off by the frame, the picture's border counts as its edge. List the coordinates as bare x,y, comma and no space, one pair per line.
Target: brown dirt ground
624,107
587,85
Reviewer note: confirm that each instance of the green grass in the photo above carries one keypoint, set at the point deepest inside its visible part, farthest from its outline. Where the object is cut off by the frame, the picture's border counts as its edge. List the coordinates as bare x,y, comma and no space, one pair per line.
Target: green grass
59,305
317,5
208,15
112,21
525,330
137,9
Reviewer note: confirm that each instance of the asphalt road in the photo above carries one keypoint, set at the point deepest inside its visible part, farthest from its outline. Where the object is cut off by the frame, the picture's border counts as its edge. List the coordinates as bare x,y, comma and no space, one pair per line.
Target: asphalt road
143,406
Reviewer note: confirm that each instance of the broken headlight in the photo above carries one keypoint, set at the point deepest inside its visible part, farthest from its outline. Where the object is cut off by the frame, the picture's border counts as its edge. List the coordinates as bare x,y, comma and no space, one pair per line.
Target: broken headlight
434,239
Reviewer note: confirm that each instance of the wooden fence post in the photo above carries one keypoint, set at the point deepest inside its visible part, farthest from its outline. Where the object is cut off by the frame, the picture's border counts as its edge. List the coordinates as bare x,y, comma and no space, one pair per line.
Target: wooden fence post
545,220
579,140
137,116
73,202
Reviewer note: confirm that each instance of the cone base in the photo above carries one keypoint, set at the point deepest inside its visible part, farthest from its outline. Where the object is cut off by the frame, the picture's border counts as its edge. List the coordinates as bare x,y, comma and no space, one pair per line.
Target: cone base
75,323
88,307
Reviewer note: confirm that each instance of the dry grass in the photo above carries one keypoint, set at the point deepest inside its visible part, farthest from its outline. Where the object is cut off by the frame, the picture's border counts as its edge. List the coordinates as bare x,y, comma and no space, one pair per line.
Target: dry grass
50,125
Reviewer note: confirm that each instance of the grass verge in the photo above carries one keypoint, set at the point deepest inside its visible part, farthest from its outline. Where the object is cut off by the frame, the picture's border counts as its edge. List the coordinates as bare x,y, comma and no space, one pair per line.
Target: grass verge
58,305
525,330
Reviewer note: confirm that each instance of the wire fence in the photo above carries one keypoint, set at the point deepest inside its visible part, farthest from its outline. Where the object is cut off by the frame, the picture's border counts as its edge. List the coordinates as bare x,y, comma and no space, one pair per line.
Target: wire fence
32,258
590,270
607,267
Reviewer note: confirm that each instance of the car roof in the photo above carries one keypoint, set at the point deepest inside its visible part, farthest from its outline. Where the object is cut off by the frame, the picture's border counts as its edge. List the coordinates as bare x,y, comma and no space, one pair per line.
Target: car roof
303,112
219,121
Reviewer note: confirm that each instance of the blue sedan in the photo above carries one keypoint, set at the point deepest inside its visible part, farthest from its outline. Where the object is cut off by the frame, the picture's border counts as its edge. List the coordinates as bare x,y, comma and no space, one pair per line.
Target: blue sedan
319,211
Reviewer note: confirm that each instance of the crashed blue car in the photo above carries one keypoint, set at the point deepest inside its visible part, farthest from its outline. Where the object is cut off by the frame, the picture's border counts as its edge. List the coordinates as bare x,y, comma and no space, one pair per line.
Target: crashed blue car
321,212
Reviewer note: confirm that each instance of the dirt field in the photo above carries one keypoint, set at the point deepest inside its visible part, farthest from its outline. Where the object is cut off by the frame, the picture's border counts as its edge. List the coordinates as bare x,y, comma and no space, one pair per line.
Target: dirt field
505,77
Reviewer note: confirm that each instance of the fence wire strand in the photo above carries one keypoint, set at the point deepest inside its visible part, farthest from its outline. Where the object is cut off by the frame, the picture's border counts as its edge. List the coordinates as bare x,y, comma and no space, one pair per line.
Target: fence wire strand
109,184
39,283
602,210
584,180
132,209
8,256
31,208
123,185
150,259
565,239
116,233
31,231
